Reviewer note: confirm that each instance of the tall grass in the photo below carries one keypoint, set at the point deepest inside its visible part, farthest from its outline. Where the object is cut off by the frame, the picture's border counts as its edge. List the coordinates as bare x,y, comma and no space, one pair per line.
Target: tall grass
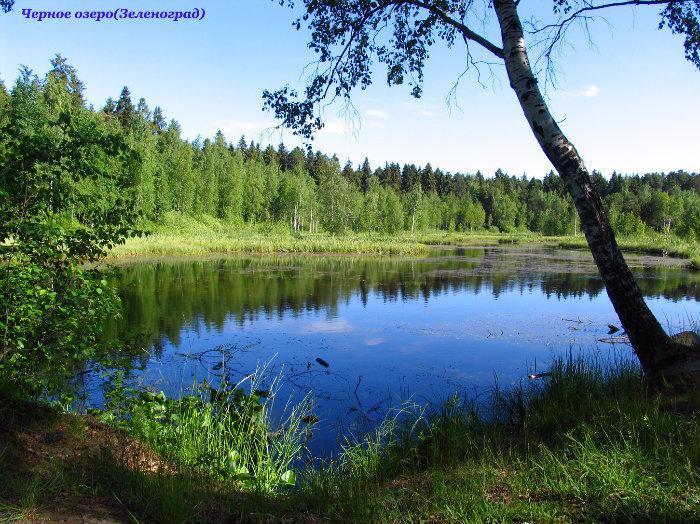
650,243
227,433
179,235
587,444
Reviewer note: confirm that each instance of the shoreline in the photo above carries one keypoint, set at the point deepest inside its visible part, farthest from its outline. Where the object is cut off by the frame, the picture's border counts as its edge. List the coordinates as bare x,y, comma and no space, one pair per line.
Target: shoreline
603,456
204,245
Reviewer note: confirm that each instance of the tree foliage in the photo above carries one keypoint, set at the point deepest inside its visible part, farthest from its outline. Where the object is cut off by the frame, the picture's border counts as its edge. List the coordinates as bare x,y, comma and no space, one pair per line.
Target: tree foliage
149,169
74,180
63,180
349,37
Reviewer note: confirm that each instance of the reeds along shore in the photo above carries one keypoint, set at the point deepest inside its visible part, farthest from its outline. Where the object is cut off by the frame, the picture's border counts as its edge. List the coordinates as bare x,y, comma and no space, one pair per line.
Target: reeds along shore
585,444
185,236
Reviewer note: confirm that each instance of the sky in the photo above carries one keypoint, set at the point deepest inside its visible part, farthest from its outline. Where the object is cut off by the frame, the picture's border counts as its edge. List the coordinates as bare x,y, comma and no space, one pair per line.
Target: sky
629,103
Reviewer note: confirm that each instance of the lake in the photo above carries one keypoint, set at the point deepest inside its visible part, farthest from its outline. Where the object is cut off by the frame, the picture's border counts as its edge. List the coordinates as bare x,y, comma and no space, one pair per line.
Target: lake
385,330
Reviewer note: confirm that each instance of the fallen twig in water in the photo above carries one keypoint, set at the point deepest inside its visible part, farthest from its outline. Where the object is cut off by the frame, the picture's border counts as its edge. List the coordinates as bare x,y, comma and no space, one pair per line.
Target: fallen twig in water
614,340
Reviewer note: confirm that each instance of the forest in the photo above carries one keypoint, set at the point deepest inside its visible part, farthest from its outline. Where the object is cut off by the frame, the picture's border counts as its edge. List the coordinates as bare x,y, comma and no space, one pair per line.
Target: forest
125,155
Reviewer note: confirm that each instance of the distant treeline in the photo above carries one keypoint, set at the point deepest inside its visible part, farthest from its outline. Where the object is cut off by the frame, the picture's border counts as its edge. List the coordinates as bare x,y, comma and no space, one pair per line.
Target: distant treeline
160,172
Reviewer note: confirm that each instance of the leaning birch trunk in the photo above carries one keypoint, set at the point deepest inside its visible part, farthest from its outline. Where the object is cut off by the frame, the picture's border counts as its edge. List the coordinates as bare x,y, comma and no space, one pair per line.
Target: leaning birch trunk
663,359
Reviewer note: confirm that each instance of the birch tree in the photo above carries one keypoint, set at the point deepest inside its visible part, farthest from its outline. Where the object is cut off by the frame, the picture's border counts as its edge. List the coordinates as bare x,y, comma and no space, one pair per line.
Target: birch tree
348,37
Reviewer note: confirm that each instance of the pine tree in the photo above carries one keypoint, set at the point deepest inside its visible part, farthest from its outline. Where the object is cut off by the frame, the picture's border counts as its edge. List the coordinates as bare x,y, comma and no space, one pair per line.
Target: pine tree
125,109
158,120
68,76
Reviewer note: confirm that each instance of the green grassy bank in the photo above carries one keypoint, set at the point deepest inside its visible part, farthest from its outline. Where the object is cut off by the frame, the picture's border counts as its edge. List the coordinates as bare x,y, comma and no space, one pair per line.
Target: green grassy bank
650,244
178,235
587,444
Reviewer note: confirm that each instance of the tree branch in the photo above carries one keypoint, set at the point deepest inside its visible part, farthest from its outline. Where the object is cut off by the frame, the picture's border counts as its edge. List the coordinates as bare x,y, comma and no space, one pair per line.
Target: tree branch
466,32
582,10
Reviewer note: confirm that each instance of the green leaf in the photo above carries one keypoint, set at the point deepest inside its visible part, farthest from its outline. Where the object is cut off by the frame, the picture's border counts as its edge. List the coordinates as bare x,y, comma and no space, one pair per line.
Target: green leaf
289,478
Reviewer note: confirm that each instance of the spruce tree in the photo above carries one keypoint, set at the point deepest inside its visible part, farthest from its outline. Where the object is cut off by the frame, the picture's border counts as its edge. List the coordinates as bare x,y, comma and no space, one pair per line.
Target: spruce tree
365,174
158,120
110,107
428,182
125,109
142,109
68,76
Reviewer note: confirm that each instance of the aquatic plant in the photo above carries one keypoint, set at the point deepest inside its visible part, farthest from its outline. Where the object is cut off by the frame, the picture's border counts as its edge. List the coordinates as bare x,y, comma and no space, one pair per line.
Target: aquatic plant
227,432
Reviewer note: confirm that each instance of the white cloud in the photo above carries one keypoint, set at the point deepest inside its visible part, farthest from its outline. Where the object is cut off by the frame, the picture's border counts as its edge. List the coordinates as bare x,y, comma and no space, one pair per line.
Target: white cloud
376,113
590,91
421,109
329,326
333,127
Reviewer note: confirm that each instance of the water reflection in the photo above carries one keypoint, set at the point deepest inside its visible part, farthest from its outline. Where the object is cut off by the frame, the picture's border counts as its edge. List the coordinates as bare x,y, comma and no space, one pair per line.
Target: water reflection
389,327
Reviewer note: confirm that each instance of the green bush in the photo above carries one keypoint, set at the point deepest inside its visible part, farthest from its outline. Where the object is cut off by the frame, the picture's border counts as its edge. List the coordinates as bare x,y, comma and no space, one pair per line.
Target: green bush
51,320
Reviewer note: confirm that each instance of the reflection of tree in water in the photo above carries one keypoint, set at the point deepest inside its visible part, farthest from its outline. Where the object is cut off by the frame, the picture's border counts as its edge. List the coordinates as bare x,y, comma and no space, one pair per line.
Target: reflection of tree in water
160,299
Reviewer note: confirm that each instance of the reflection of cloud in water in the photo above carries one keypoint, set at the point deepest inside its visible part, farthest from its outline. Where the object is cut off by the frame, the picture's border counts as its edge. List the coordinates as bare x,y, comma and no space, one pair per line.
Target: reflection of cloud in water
325,326
389,328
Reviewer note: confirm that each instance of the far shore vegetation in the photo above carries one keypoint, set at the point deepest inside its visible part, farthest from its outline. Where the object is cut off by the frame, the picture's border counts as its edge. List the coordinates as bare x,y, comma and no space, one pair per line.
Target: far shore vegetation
179,235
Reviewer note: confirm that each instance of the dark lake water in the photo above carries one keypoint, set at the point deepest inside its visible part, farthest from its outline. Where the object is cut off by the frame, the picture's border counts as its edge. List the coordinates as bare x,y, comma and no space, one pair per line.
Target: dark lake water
390,329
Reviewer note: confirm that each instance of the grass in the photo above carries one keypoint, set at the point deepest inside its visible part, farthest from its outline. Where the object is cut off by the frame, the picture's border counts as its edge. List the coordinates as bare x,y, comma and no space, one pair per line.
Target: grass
587,444
179,235
650,244
227,433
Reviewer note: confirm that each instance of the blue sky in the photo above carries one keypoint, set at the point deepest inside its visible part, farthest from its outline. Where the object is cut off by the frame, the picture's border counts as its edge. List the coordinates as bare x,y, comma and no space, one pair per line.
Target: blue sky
631,104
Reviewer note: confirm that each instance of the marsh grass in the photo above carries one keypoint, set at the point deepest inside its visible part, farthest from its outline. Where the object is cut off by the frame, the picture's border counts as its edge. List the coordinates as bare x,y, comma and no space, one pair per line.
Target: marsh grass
227,432
180,235
586,444
651,244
